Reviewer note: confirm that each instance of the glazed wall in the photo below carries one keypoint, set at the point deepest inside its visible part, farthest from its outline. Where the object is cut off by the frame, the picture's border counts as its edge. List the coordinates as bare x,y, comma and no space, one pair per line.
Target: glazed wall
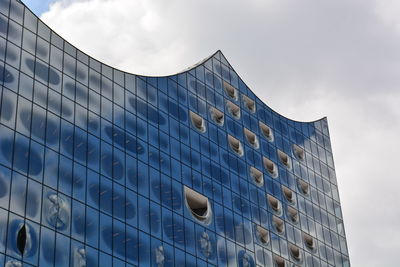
94,162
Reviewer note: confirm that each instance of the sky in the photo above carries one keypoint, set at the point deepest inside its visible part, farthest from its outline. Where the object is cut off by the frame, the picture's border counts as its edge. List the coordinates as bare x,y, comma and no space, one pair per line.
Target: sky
38,6
305,58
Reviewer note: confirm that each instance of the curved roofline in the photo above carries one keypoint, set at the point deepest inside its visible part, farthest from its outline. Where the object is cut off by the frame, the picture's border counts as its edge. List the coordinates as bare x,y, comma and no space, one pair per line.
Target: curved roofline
312,121
201,62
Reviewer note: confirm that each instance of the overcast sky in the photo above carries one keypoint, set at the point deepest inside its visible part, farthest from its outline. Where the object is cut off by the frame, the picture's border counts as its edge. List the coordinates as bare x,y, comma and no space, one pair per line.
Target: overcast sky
305,58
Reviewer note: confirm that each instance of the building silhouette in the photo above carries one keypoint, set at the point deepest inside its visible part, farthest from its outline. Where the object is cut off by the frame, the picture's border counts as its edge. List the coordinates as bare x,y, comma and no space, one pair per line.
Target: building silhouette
99,167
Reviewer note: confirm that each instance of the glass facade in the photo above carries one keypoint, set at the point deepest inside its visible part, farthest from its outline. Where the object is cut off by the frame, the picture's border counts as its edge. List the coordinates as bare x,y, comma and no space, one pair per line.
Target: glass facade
99,167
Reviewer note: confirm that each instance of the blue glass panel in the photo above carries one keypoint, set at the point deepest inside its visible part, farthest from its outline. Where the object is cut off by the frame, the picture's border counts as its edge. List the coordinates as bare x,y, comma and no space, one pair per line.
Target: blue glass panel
8,108
92,227
33,200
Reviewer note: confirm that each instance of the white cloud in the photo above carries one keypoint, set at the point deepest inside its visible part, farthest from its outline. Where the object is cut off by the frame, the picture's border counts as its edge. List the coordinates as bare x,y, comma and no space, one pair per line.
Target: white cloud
304,58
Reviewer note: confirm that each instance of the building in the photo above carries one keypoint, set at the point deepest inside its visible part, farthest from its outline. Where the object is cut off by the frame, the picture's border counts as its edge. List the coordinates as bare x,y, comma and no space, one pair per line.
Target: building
104,168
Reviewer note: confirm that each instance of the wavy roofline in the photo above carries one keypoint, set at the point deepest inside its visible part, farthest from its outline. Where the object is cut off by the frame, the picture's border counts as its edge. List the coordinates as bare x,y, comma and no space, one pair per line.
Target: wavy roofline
308,122
186,70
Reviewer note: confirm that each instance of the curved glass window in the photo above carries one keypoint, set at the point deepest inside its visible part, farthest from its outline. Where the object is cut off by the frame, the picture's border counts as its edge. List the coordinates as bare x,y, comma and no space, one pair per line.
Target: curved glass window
198,205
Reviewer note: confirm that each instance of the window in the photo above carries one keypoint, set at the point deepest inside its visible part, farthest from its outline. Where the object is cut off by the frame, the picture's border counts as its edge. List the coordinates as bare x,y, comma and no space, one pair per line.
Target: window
289,195
235,145
198,122
21,239
309,241
267,132
262,235
295,252
271,167
198,205
231,91
275,204
293,214
279,261
257,176
249,103
278,224
298,152
284,158
217,116
233,109
303,186
251,138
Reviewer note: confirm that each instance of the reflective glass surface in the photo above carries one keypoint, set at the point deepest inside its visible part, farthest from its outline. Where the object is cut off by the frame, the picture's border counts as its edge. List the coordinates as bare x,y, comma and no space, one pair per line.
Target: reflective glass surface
104,168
